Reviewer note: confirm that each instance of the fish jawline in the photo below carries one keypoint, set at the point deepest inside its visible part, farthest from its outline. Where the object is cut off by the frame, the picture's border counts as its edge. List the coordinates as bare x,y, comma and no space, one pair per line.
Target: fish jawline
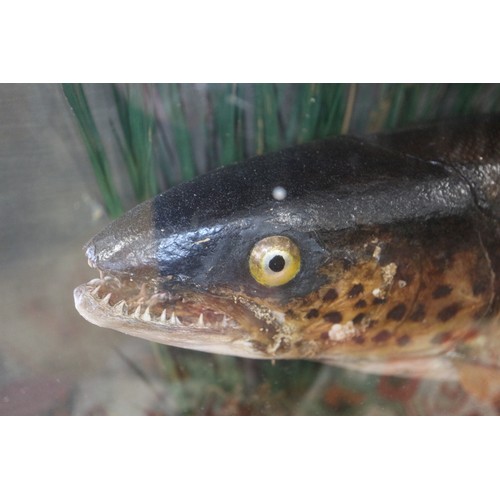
236,342
212,339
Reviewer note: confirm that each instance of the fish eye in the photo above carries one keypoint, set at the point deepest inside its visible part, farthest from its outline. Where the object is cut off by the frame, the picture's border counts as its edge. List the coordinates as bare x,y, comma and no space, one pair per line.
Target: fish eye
274,261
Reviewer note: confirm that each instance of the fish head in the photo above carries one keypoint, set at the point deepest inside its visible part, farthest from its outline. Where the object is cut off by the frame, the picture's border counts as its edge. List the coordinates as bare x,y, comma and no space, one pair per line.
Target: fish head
177,269
333,251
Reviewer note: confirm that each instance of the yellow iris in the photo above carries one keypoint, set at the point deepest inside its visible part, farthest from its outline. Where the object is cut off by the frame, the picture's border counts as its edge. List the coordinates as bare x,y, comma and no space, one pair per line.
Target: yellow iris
274,261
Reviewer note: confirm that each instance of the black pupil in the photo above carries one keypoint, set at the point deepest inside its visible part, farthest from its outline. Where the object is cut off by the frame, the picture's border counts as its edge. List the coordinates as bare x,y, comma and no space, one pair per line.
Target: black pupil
277,263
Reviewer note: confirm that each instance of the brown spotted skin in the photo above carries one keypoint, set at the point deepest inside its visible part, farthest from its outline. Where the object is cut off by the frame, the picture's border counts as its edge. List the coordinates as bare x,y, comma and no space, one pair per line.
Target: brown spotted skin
410,292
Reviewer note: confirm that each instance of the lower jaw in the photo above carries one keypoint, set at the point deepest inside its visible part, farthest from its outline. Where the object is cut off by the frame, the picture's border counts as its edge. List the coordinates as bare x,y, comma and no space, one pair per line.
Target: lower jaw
214,338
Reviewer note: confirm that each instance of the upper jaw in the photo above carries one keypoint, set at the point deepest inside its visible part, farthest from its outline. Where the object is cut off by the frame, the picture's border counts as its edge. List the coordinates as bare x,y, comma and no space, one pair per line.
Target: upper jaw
126,300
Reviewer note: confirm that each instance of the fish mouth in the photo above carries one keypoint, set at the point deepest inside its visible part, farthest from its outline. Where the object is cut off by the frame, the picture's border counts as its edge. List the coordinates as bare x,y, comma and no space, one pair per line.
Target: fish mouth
179,316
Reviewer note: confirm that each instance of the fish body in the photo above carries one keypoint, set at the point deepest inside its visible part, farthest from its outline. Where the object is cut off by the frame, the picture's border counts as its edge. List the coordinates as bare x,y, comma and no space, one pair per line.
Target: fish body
377,253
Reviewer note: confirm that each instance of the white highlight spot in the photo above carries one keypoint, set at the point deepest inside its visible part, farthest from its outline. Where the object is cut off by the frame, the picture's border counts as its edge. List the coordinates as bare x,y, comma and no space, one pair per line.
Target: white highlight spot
199,242
388,273
376,253
279,193
340,333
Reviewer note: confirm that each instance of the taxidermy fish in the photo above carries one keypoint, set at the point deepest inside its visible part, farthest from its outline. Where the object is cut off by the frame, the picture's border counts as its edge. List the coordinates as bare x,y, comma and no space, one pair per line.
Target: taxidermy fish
379,254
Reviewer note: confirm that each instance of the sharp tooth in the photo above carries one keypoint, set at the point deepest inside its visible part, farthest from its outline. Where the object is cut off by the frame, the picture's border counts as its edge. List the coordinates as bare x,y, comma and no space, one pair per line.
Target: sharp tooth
120,307
224,321
105,300
200,321
137,312
163,317
147,315
174,320
96,289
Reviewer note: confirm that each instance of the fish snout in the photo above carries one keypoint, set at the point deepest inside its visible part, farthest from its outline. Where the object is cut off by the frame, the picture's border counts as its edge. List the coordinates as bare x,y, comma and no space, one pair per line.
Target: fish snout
127,246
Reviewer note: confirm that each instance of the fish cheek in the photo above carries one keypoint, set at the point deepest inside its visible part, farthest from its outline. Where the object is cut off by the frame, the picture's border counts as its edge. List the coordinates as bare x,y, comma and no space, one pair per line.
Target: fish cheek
361,305
187,257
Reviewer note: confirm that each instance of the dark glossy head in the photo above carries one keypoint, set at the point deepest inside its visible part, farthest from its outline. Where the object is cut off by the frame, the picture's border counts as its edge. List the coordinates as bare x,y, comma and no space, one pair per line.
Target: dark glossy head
202,231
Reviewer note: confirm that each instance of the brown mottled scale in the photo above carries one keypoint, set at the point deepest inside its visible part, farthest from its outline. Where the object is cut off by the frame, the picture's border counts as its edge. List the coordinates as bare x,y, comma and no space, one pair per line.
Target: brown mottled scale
417,295
398,236
404,294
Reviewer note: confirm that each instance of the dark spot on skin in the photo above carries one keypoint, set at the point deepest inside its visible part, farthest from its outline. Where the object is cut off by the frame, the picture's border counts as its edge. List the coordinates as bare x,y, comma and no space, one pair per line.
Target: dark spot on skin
449,312
386,256
382,336
397,313
347,264
333,317
357,319
359,339
441,291
360,304
441,338
331,295
479,288
369,248
324,336
404,340
312,313
418,314
377,301
356,290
